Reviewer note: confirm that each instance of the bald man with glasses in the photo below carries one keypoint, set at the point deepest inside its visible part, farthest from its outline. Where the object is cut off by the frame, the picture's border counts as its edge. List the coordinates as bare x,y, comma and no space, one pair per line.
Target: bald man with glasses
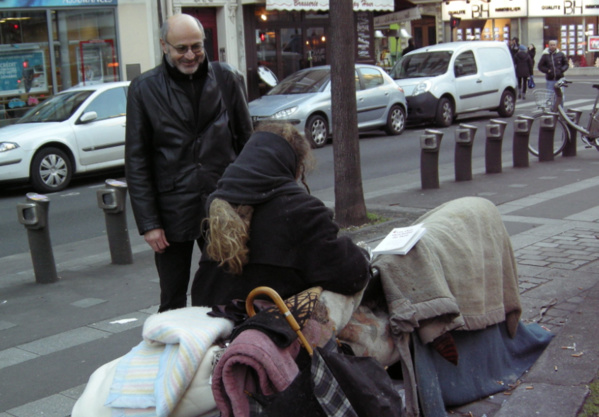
181,135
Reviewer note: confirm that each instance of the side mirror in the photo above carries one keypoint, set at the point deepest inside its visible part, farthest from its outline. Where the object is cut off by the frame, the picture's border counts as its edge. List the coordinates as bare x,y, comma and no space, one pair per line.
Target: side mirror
88,117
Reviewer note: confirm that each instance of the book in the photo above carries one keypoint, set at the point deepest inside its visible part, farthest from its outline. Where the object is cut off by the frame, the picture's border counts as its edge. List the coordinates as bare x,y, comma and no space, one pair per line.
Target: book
400,240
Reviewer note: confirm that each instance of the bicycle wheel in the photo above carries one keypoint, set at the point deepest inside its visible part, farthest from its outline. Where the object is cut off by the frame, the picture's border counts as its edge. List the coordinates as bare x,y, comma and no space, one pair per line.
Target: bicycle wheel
560,138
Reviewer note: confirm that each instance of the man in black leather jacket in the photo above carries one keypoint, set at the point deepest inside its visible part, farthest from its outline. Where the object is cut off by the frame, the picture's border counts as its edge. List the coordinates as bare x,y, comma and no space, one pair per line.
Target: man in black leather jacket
180,137
553,64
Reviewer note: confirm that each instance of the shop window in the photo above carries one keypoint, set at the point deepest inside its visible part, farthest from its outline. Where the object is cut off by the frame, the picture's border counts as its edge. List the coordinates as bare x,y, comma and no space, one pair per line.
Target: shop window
86,48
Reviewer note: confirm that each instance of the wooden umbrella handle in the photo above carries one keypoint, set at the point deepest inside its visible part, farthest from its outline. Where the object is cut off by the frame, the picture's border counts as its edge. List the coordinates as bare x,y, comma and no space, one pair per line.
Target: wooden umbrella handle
249,306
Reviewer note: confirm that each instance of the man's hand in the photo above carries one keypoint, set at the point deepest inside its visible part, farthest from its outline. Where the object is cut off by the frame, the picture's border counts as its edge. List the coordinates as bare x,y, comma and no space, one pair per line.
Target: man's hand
156,239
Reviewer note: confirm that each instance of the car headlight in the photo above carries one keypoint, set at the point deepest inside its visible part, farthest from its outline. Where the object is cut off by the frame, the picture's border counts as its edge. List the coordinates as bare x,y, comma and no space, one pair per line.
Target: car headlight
284,114
421,88
8,146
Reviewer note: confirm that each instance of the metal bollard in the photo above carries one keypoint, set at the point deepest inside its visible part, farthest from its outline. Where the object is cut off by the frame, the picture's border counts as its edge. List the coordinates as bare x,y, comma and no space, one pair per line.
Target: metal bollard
430,144
493,144
570,148
522,127
34,216
113,200
464,138
546,133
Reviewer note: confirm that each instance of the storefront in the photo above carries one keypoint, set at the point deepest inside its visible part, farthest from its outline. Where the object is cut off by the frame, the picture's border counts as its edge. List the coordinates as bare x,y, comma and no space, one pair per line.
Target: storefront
573,23
497,20
47,46
285,37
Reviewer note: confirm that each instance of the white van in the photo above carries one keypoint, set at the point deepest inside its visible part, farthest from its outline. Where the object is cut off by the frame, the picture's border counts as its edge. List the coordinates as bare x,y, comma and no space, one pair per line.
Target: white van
445,80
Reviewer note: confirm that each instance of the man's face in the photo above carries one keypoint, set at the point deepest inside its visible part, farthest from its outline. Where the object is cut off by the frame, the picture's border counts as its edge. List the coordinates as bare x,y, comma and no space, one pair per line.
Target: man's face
184,47
552,46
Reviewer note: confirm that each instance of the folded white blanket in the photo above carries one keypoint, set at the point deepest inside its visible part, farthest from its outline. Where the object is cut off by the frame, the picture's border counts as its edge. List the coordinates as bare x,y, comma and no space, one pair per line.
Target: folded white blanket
157,372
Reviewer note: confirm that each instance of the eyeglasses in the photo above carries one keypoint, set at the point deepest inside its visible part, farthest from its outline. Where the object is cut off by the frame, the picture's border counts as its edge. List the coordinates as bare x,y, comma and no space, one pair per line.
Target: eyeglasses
196,48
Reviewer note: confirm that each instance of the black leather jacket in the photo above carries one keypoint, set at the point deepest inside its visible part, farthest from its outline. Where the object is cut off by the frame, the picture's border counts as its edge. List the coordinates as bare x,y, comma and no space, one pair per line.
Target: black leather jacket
173,159
553,65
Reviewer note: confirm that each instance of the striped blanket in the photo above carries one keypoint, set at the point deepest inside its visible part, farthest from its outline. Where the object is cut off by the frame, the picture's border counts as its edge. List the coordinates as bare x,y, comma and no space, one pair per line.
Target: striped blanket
151,379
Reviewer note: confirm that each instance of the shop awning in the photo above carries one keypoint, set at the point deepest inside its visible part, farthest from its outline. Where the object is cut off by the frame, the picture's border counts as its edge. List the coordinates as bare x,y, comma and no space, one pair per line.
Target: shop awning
359,5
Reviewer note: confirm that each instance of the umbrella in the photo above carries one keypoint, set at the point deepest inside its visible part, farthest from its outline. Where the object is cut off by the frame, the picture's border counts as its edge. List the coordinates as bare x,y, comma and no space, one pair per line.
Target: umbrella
331,383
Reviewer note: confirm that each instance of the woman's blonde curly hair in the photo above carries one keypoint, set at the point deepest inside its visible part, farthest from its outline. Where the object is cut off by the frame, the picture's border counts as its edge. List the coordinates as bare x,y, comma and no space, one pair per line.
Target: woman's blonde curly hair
229,225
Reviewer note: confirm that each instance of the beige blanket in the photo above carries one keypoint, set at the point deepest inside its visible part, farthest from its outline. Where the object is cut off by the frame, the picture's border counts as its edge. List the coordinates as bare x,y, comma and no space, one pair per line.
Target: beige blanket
461,274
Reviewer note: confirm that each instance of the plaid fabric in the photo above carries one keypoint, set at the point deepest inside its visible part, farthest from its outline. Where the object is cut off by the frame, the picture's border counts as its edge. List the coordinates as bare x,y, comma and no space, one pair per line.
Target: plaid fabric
327,391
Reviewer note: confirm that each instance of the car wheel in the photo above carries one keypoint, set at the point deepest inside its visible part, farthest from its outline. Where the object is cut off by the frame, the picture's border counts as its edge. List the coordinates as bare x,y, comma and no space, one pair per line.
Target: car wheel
396,120
445,113
51,170
317,131
507,105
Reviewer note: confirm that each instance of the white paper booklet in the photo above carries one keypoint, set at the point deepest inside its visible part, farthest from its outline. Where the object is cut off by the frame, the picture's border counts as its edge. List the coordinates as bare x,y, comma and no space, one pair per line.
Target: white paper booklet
400,240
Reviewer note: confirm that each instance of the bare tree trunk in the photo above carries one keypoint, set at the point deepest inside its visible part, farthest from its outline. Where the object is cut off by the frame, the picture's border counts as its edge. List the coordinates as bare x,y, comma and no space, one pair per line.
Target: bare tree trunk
350,208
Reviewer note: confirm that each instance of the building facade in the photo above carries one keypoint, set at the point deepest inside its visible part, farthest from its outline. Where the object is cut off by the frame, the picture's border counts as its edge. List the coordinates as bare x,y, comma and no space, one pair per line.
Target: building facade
47,46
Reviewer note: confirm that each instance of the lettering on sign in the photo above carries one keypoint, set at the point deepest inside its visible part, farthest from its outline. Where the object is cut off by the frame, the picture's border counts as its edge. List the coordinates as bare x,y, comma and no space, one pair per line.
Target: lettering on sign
480,11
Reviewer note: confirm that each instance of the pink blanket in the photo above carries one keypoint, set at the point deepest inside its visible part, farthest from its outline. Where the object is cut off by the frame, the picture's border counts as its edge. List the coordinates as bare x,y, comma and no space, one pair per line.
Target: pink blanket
274,367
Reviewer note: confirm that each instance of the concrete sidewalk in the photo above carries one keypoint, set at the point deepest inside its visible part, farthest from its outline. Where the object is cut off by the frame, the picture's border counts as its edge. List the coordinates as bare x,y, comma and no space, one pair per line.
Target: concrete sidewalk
95,312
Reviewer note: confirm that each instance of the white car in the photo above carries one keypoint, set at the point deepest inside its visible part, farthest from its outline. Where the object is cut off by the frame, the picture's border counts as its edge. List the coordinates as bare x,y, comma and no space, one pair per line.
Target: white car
78,130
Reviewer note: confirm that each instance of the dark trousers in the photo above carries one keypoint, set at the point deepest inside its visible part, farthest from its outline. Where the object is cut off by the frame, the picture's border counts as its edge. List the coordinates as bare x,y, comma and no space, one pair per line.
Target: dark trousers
522,84
174,266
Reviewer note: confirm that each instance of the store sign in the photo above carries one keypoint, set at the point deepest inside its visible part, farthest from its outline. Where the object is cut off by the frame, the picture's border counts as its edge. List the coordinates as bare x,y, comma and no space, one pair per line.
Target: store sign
480,9
22,72
561,8
359,5
397,17
55,3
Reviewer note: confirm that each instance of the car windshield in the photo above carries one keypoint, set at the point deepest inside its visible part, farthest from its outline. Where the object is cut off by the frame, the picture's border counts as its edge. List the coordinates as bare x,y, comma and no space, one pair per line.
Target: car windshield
302,82
56,109
425,64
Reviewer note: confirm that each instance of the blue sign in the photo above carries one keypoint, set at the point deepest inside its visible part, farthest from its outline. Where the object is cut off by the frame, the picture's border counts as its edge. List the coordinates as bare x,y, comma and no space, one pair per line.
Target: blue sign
4,4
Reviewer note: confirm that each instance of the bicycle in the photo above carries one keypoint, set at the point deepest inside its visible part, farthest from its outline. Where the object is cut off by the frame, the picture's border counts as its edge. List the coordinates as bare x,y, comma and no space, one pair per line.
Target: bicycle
552,102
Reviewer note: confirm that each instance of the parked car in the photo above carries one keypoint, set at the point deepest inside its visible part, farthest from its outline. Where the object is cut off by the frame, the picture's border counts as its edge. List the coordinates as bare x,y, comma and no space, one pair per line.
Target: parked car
445,80
78,130
304,99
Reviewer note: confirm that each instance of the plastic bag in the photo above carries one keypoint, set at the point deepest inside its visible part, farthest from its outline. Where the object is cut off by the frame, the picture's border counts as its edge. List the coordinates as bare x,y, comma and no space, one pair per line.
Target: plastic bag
531,82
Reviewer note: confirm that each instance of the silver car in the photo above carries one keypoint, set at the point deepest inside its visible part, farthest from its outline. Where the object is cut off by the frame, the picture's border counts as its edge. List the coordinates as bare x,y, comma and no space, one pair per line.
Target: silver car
304,99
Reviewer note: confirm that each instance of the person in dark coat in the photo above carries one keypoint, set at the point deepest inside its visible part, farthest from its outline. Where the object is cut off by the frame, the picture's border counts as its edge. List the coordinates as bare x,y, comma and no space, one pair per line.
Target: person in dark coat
553,64
524,69
266,229
177,145
532,51
514,46
409,48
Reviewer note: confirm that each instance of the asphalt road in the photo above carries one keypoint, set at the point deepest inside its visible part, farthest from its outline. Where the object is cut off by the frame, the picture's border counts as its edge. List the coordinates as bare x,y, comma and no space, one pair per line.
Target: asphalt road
75,216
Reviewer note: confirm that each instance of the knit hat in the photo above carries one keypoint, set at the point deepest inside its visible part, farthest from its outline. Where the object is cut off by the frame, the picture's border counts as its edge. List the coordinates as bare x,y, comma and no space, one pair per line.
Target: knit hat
523,47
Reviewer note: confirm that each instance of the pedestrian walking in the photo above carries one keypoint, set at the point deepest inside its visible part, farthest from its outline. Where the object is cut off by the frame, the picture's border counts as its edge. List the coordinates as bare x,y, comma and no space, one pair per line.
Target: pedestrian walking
532,51
553,64
514,46
183,129
524,69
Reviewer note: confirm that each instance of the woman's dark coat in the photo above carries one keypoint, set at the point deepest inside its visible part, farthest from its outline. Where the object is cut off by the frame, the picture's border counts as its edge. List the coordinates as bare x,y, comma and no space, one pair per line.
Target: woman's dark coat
523,64
294,243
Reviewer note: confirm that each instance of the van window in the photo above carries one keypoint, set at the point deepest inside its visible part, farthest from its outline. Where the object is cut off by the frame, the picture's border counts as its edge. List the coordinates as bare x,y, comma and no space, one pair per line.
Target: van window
492,59
465,64
425,64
